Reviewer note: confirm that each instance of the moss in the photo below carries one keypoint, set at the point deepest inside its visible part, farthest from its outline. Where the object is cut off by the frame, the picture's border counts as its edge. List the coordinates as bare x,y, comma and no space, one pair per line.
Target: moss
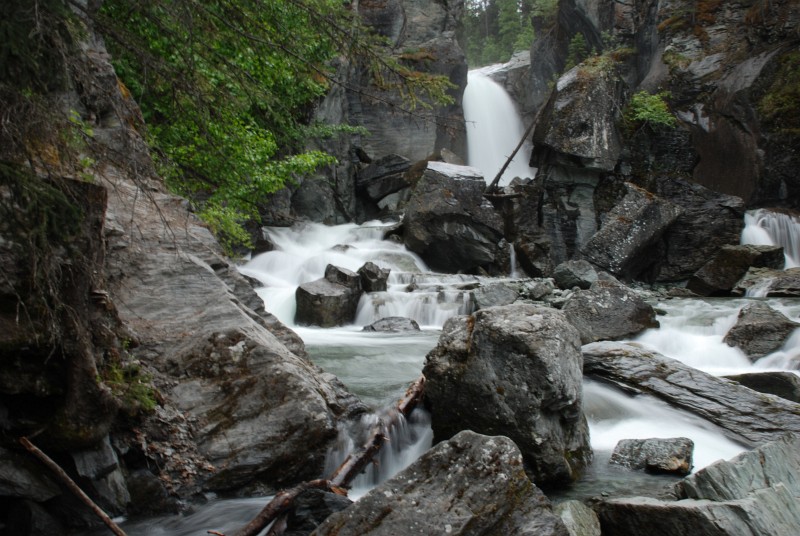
780,105
130,385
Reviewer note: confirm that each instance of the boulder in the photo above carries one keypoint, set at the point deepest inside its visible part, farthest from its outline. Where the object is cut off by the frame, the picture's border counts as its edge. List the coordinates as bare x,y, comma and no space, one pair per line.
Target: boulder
744,415
770,283
311,508
574,273
754,494
579,519
779,383
470,485
329,301
513,370
721,273
21,476
99,469
759,330
451,225
149,496
493,294
373,277
608,310
393,324
629,231
383,176
655,455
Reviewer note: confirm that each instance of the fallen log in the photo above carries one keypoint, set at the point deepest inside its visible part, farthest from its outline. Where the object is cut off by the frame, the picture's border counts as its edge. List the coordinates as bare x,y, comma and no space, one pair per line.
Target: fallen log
71,485
341,478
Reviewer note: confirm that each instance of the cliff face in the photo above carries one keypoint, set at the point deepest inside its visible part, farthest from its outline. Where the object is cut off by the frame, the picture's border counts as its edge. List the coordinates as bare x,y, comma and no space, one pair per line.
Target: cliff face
131,350
730,73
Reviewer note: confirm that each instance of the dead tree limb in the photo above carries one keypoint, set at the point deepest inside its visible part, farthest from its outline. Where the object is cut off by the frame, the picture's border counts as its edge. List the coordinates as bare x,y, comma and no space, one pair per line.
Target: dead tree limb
73,487
341,478
493,185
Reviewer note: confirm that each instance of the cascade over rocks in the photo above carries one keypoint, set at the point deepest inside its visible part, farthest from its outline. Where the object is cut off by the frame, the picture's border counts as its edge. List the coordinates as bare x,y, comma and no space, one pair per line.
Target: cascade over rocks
513,370
655,455
756,493
745,415
759,330
769,283
721,273
608,310
451,225
331,300
469,485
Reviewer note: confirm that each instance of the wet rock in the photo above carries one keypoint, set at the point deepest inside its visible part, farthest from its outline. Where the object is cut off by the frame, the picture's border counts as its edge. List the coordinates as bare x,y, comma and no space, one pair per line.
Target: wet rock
579,519
21,477
493,294
373,277
779,383
633,226
755,494
329,301
745,415
469,485
100,469
451,225
28,517
608,310
513,370
311,508
766,282
655,455
382,177
393,324
759,330
148,495
721,273
574,273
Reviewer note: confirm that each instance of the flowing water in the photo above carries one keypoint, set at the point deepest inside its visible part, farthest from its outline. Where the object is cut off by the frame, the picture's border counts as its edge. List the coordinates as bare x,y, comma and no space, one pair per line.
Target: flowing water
494,128
769,228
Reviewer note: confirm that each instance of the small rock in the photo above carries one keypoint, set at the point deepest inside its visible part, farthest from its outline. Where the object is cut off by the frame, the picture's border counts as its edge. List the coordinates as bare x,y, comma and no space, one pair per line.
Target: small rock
393,324
655,455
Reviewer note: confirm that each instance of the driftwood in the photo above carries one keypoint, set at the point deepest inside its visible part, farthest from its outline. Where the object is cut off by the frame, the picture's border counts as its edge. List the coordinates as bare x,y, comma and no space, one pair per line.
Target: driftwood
493,185
341,478
73,487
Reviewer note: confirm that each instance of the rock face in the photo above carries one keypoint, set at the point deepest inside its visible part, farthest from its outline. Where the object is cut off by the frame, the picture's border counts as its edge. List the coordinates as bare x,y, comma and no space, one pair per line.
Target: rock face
469,485
608,310
655,455
451,225
633,227
766,282
514,370
579,519
373,278
754,494
720,274
759,330
745,415
329,301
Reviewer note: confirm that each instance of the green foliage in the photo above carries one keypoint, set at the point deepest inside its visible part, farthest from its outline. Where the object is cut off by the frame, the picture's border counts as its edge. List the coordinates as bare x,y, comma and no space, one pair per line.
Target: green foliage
780,105
651,110
496,29
130,385
577,51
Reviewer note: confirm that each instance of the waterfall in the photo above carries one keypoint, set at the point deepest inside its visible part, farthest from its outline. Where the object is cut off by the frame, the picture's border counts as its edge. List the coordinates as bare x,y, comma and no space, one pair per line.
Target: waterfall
766,227
494,129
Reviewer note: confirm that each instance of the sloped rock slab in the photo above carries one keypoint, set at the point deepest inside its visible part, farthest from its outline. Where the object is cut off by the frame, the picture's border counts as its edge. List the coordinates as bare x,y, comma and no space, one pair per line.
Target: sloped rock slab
470,485
745,415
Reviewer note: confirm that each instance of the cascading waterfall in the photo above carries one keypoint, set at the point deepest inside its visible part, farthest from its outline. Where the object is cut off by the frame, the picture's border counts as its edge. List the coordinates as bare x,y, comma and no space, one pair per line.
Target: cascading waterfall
494,129
770,228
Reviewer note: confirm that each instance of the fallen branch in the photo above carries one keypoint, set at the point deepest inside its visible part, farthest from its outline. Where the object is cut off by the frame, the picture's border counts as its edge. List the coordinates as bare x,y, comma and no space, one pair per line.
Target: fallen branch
493,185
341,478
73,487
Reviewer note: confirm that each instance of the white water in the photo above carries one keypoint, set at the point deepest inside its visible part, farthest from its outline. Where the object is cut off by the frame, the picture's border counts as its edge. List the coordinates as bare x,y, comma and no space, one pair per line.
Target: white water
494,129
768,228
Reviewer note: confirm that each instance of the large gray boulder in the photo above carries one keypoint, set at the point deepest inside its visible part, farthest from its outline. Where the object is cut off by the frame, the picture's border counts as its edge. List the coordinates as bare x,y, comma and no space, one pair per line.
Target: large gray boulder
608,310
373,277
655,455
574,273
770,283
759,330
744,415
777,382
470,485
629,231
755,494
329,301
513,370
451,225
382,177
493,294
722,271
